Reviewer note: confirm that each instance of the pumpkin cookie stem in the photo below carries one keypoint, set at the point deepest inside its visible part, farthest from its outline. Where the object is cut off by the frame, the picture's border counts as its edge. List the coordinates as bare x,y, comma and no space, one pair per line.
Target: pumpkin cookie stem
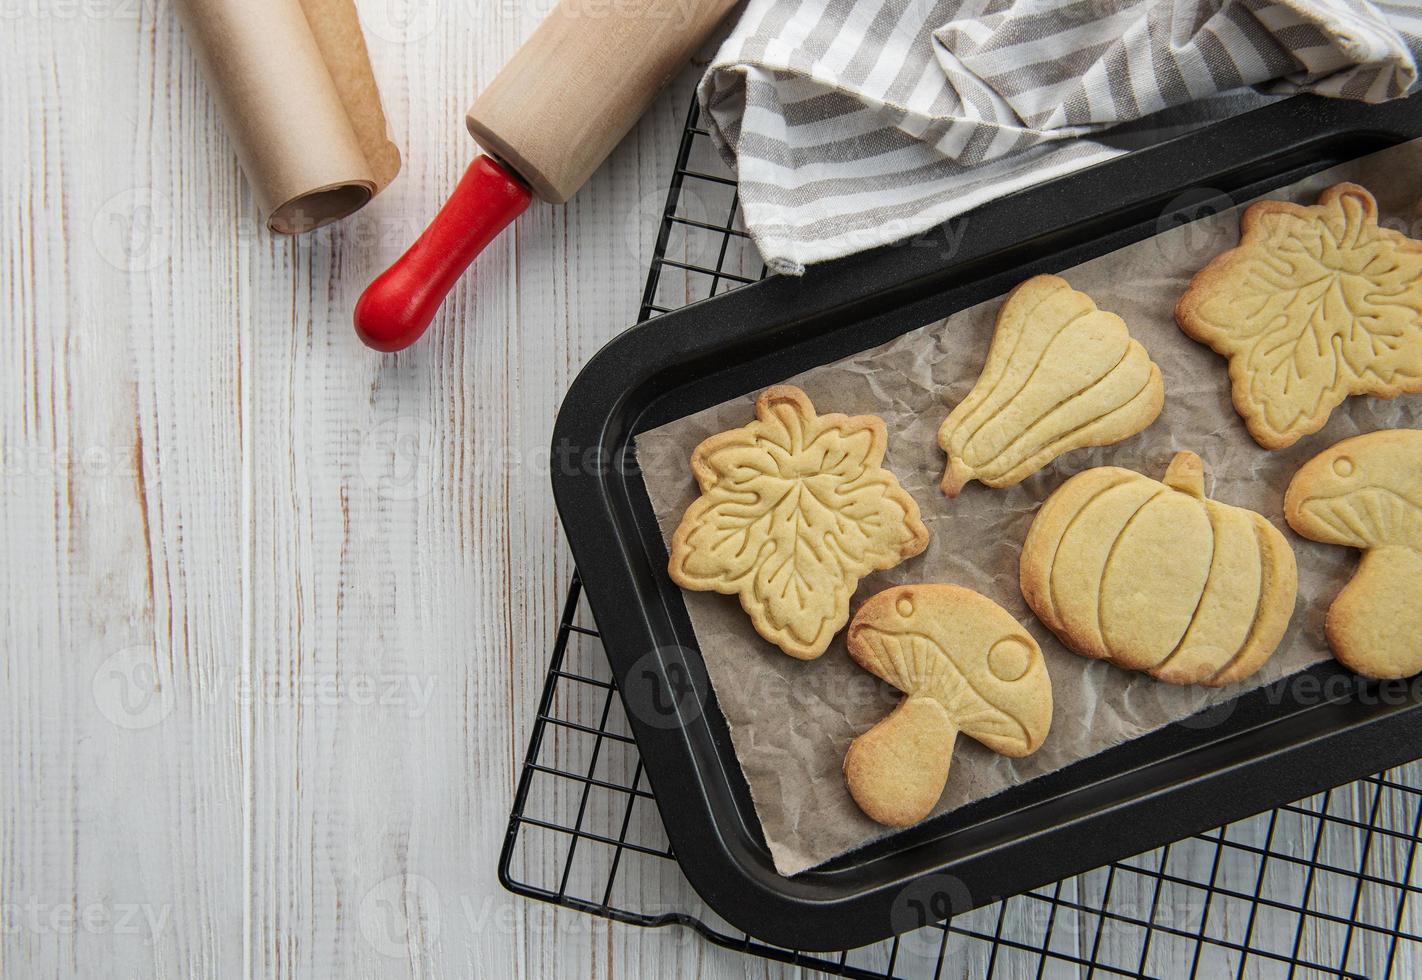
1186,473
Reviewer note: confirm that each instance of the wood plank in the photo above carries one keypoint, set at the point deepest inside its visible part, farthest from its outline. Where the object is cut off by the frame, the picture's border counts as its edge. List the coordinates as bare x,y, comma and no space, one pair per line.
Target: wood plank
122,823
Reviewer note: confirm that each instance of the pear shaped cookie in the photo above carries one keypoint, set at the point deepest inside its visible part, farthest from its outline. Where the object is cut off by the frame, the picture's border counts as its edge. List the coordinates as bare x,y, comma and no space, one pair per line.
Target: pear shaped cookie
1060,375
966,666
1314,304
1154,576
795,508
1366,493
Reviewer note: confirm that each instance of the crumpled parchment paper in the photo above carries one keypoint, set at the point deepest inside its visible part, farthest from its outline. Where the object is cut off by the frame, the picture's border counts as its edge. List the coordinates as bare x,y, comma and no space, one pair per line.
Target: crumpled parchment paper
792,721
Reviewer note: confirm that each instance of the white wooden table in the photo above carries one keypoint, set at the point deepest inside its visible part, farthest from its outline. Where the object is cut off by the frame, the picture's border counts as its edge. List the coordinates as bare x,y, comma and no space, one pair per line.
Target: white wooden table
275,609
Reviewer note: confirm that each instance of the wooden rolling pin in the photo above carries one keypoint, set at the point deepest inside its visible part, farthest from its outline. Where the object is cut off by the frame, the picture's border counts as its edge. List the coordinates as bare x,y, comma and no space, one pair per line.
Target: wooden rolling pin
548,120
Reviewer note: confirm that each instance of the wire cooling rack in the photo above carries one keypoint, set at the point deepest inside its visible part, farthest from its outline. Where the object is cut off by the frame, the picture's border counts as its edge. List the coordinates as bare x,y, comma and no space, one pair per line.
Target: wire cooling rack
1327,886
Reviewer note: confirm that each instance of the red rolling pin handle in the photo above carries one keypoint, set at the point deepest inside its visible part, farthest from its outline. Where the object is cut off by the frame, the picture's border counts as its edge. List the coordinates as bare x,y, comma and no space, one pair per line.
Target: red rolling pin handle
396,308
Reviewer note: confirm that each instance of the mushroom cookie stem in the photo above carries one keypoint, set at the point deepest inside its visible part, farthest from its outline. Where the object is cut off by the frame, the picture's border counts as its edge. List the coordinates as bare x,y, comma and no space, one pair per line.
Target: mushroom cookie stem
967,666
1060,375
1154,576
1366,493
795,508
1374,627
897,769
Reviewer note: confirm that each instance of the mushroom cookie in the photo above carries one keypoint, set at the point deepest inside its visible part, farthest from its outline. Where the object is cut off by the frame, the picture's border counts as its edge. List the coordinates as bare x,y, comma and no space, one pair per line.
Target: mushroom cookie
1060,375
1154,576
1366,493
966,666
1315,304
794,509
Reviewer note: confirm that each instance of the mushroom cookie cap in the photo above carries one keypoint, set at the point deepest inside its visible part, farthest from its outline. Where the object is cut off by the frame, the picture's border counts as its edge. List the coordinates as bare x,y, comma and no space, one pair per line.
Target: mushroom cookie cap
1060,375
795,508
1315,304
1154,576
1363,492
966,666
1366,493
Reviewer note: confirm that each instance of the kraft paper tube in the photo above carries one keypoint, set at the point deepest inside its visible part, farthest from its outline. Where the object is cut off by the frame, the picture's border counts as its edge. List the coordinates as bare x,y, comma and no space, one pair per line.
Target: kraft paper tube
294,84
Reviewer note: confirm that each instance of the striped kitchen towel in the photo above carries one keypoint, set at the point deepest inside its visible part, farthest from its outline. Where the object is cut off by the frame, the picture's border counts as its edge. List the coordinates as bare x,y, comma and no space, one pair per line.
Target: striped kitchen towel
855,123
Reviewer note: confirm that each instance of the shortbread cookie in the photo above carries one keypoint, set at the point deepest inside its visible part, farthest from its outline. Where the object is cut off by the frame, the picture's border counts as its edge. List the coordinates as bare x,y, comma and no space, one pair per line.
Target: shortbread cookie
1314,304
1060,375
794,509
1366,493
967,666
1156,577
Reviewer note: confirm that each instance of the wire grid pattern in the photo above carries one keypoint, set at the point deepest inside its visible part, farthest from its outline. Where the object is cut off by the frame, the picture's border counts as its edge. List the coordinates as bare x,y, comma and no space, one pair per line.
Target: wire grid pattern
1327,886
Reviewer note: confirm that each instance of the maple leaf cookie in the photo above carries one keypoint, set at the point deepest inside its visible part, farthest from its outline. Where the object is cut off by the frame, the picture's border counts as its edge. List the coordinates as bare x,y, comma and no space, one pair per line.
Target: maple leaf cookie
795,508
1366,493
1060,375
1315,304
965,666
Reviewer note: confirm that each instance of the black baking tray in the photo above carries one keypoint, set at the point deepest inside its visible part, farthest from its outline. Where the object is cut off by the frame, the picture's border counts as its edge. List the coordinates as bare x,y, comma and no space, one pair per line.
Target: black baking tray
1260,750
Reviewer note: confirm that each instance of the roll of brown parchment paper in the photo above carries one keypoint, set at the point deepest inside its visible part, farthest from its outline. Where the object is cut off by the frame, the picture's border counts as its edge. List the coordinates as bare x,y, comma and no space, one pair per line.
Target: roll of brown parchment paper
298,97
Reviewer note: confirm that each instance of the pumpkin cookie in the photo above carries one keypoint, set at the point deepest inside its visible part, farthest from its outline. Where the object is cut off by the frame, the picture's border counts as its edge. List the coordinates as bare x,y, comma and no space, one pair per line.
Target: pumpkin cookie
1060,375
1156,577
1315,304
967,666
794,509
1366,493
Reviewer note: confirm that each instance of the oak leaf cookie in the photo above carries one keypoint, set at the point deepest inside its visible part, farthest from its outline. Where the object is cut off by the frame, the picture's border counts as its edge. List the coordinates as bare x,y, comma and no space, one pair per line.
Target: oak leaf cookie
1060,375
1314,304
794,509
966,666
1366,493
1154,576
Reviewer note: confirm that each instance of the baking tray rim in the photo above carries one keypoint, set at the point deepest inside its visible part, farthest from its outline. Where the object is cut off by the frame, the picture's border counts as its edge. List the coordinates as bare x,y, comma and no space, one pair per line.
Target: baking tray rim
595,424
